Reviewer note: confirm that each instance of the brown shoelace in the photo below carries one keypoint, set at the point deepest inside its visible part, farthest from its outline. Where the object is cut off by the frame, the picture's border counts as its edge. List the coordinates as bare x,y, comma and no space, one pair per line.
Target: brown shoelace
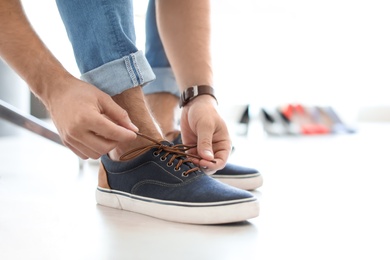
178,151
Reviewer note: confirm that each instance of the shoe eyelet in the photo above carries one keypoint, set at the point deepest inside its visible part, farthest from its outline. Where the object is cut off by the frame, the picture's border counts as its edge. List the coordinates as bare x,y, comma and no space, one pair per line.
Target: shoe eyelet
169,164
163,158
155,153
184,174
176,169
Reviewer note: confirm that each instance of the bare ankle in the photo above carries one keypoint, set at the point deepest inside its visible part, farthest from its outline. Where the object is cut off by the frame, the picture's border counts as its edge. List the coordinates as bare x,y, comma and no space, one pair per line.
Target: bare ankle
172,135
165,109
133,101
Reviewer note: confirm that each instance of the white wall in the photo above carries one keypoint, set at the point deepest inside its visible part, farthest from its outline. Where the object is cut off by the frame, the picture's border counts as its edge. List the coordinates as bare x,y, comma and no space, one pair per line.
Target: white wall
333,52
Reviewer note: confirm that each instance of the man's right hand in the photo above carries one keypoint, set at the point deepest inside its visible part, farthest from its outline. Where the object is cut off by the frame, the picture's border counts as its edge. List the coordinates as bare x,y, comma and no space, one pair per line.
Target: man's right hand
89,122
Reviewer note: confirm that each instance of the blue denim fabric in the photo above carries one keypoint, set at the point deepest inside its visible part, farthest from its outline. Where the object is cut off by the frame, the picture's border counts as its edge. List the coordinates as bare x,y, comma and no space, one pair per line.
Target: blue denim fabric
103,37
155,54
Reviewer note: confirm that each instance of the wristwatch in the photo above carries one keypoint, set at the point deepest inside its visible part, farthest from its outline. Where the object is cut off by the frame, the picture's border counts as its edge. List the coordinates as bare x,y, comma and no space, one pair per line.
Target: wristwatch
194,91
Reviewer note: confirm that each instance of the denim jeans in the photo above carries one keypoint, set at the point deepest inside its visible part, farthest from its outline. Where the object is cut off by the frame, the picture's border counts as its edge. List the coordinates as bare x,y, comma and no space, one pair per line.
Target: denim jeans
103,38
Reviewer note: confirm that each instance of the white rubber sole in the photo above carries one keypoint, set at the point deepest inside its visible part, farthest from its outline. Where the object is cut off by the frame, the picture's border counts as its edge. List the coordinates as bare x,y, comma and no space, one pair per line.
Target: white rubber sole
192,213
244,182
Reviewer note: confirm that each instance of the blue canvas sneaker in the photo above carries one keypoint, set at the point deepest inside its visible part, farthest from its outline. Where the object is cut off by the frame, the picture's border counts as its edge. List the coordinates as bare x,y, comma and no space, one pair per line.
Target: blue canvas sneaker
160,180
235,175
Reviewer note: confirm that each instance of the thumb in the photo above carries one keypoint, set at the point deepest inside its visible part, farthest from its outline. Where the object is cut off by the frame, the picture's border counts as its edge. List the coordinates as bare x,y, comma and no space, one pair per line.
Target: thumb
117,114
204,147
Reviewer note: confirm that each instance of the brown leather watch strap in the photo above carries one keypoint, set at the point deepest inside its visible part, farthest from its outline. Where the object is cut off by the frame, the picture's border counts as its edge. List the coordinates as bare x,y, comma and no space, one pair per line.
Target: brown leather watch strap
194,91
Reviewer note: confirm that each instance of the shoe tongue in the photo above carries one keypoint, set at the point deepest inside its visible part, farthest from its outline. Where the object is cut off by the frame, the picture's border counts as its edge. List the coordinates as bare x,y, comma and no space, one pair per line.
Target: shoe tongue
177,139
167,143
175,135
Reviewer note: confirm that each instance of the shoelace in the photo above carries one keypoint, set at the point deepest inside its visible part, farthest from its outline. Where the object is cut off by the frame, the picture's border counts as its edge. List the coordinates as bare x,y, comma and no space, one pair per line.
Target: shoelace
178,151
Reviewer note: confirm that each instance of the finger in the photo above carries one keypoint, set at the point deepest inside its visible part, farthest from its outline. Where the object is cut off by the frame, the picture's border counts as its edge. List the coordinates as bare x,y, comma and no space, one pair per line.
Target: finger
98,144
205,145
90,145
111,131
82,152
210,167
221,155
117,114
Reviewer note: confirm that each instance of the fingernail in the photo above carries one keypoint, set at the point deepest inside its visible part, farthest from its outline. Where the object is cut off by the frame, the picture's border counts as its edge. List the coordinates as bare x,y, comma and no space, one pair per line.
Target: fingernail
209,153
134,127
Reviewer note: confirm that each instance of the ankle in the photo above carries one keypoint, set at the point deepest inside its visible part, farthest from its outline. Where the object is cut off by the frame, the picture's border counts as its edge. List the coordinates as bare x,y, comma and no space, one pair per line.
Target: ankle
133,101
165,109
141,142
171,135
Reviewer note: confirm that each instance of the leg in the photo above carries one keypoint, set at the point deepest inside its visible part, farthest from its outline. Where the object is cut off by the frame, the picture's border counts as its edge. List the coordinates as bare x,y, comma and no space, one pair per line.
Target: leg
164,91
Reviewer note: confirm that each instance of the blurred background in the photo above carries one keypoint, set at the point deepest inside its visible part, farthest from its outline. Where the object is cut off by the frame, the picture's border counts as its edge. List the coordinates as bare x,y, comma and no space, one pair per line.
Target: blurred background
265,53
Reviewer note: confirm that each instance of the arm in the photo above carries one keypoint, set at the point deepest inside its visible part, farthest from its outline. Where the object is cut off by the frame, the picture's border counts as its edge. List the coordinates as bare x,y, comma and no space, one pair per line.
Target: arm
22,49
184,28
88,120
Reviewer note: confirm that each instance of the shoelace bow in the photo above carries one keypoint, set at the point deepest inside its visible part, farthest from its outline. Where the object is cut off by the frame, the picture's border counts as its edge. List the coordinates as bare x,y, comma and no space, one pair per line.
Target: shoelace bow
178,151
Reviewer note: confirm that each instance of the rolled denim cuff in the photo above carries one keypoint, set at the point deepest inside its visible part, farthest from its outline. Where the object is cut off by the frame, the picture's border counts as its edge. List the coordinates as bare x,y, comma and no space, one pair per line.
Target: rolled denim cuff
119,75
165,82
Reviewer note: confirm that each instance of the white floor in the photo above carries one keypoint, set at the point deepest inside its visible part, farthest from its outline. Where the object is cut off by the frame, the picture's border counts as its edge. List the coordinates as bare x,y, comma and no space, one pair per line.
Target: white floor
322,198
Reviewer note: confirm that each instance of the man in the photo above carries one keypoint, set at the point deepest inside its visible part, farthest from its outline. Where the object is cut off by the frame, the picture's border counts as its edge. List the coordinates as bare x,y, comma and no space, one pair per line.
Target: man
106,114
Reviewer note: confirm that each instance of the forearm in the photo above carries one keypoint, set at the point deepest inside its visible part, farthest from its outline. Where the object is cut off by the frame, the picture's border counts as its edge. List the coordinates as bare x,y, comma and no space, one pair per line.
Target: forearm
24,51
184,28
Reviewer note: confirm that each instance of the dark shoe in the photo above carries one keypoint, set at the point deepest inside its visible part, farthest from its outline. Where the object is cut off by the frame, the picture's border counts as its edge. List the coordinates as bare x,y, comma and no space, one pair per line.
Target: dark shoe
244,121
235,175
273,125
162,182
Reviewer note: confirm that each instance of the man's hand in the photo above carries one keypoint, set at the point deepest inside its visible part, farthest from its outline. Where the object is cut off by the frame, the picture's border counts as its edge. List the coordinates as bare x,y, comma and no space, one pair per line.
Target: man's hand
89,122
202,125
